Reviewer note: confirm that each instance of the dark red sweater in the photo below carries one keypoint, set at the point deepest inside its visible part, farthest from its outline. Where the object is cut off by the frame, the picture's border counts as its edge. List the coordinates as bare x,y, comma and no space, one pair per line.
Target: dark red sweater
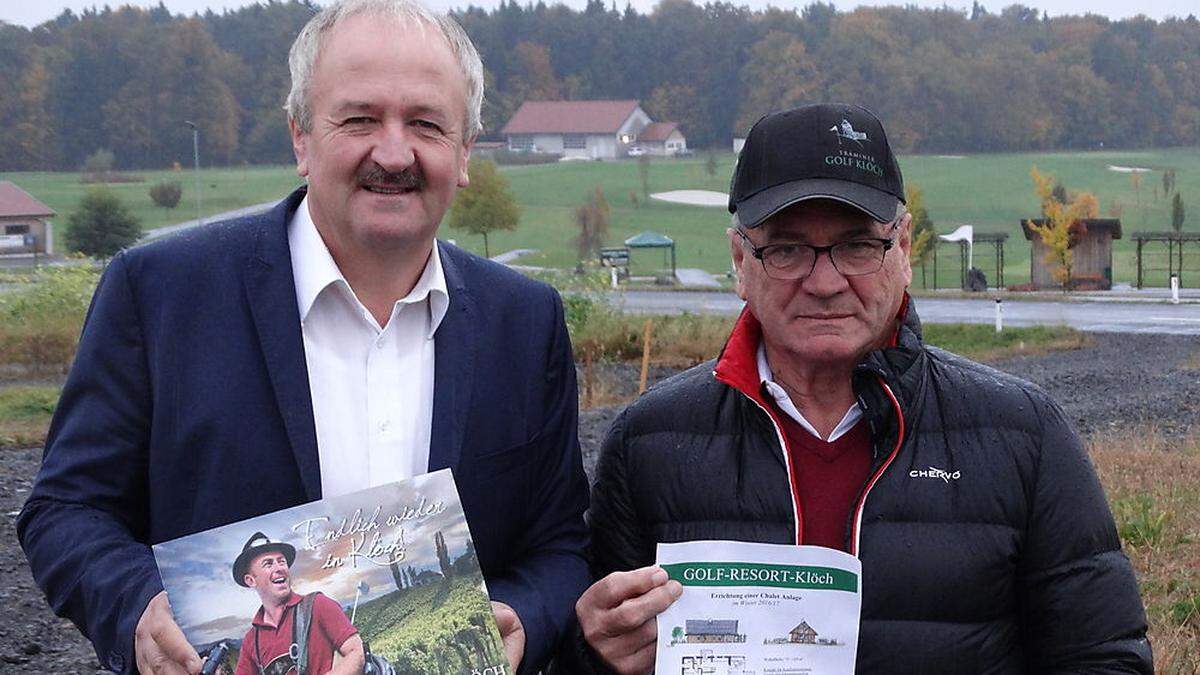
827,477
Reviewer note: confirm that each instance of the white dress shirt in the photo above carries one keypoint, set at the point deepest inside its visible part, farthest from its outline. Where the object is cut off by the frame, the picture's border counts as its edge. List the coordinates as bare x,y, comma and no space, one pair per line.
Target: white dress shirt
371,386
852,416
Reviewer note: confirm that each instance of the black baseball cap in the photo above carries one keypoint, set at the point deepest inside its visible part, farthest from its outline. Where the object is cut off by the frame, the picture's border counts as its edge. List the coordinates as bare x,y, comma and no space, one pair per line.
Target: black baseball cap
821,151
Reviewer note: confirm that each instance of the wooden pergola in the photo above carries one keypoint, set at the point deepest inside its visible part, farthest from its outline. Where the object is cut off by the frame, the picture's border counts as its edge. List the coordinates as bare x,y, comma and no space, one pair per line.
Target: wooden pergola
1175,242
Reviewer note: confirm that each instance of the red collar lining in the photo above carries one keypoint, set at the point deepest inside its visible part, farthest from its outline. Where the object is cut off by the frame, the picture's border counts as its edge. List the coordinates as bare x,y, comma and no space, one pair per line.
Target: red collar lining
738,364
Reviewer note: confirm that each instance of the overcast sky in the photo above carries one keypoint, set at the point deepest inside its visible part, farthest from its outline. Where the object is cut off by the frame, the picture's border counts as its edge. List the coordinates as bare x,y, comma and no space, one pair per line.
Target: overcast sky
28,13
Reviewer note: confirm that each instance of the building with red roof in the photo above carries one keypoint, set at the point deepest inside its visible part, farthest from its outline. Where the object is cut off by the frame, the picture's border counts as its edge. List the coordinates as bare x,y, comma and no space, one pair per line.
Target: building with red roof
587,129
662,138
25,227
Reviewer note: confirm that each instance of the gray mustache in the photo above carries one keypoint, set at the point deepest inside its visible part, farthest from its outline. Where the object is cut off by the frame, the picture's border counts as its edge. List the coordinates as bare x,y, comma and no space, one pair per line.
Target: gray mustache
408,179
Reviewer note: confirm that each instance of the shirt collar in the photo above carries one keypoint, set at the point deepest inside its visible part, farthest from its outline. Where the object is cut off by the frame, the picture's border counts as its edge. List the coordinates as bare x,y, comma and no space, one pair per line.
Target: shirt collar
767,378
432,285
260,619
314,269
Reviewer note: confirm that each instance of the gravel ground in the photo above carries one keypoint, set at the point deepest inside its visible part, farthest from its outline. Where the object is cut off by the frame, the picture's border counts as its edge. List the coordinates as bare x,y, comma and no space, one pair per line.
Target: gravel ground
1122,380
32,639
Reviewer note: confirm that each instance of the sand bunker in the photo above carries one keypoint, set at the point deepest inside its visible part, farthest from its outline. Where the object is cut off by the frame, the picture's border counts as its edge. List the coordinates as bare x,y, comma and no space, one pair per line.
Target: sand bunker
693,197
1129,169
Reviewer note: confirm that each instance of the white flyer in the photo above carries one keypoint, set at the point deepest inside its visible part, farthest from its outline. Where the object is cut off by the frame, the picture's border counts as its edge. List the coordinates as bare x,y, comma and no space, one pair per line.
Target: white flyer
759,609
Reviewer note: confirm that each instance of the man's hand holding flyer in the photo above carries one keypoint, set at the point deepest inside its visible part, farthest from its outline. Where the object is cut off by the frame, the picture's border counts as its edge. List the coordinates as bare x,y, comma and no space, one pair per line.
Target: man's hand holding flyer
759,609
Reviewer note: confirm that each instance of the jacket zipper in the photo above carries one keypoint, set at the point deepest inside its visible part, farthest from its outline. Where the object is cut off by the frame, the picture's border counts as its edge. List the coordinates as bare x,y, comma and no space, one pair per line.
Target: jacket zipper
862,500
787,462
856,535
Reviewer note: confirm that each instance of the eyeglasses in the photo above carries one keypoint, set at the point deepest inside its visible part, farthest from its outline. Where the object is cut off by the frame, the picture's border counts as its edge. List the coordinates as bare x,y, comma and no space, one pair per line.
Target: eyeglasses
792,261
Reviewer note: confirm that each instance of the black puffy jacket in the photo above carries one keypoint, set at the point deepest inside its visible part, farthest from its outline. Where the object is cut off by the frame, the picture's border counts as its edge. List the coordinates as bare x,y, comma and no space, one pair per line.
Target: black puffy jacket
986,542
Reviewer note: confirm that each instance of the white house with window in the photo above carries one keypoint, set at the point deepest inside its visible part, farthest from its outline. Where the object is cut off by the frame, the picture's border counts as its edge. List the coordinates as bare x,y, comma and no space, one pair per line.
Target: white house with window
662,138
584,129
25,228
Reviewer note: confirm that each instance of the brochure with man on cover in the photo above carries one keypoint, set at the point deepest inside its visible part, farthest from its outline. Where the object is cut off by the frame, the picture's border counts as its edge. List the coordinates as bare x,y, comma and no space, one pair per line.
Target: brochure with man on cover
387,577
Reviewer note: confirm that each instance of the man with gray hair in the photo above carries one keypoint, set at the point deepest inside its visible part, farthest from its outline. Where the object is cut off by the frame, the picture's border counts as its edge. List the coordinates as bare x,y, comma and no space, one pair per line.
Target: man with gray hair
985,540
327,346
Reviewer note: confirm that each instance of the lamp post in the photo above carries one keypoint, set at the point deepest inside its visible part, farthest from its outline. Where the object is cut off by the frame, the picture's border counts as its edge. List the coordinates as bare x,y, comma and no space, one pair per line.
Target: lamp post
196,162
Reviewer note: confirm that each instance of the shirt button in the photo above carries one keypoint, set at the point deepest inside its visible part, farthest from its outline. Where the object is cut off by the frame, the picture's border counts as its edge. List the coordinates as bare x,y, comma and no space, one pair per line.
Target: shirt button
379,344
383,426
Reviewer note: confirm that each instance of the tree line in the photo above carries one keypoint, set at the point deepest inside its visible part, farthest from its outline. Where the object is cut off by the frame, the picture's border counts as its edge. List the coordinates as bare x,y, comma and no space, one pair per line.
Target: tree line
943,80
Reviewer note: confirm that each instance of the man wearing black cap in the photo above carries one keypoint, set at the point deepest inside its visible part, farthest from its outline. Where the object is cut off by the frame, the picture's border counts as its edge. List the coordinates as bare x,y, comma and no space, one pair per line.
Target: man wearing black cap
985,539
291,633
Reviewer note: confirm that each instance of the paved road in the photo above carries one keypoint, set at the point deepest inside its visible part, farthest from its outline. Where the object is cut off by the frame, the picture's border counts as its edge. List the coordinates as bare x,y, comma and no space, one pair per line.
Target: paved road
689,276
187,224
1112,316
511,256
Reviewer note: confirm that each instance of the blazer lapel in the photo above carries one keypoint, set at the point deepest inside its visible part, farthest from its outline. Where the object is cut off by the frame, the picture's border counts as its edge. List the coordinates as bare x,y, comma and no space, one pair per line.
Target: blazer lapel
271,290
454,360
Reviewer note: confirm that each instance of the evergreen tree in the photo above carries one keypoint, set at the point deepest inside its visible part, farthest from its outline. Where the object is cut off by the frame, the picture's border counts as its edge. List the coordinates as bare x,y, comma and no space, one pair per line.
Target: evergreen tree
397,577
1177,214
443,555
101,226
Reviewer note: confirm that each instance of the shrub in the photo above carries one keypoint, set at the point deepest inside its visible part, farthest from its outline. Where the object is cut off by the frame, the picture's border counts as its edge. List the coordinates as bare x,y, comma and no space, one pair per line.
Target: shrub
101,225
166,194
678,341
99,163
41,317
577,309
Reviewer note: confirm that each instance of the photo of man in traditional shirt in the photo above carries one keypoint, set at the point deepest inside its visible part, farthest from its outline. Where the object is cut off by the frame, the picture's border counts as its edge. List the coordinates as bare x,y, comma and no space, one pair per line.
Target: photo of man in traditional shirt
291,633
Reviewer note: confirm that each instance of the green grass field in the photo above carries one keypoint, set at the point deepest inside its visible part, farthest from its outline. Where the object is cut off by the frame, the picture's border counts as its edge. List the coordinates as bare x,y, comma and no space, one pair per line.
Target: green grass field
221,190
992,192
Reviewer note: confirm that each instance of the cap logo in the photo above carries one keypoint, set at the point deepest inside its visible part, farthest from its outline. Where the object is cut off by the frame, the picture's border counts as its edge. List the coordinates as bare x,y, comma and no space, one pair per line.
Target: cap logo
846,130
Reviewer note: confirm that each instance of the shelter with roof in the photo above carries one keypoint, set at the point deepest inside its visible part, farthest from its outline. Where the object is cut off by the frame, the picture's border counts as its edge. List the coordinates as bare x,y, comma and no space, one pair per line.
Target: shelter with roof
589,129
25,227
651,240
1092,267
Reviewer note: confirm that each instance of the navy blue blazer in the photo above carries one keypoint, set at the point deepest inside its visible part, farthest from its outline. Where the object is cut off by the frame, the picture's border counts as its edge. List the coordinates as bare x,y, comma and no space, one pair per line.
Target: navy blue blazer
188,407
